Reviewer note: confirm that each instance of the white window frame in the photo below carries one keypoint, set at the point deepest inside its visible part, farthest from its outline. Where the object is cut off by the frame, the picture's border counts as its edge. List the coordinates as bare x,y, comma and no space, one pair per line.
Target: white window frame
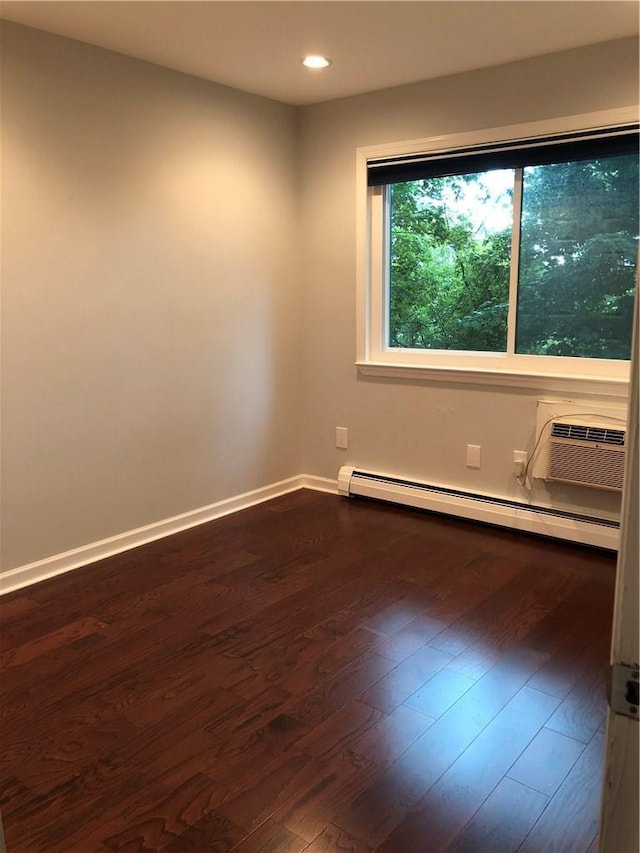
606,377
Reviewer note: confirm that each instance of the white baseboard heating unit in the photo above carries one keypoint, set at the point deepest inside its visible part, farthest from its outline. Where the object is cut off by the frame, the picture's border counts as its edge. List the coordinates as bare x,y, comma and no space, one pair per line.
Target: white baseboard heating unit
582,529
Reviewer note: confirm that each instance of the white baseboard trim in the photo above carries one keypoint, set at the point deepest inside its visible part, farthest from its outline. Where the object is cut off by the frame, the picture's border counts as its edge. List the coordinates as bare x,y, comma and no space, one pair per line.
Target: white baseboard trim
58,564
319,484
33,573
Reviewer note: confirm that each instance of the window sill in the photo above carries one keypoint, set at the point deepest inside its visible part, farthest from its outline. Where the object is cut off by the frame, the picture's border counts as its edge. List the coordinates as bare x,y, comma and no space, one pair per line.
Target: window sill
600,385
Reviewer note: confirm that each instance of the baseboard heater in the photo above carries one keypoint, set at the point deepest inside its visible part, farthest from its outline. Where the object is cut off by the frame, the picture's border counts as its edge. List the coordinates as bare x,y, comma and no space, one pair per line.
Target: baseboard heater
586,530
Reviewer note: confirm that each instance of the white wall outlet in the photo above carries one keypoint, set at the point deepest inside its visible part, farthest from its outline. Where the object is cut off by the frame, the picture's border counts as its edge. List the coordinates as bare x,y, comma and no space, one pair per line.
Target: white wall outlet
473,455
342,437
520,458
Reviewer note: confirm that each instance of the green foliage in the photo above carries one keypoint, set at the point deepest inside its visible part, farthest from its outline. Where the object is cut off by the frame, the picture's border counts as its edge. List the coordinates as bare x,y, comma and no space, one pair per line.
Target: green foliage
578,257
449,277
449,287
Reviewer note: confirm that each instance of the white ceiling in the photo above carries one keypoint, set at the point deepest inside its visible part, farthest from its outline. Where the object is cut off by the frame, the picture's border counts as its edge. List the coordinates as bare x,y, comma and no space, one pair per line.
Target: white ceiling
257,46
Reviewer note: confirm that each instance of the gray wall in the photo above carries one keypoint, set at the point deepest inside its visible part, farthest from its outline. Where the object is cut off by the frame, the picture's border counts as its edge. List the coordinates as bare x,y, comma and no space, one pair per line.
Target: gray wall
150,299
420,429
179,288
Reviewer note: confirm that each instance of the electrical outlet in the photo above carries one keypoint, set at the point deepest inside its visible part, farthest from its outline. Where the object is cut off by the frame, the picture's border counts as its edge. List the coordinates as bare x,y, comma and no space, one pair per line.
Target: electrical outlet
342,437
520,458
473,455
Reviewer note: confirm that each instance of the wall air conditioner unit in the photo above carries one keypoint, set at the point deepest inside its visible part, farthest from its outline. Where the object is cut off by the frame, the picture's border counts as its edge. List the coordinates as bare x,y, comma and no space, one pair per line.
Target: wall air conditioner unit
586,454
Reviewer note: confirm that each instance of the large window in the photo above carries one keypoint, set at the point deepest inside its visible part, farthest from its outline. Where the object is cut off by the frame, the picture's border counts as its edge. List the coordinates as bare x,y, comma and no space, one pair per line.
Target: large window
517,256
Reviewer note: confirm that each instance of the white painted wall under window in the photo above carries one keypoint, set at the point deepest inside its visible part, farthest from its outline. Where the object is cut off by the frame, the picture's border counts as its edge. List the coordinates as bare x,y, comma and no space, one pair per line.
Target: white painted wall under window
420,429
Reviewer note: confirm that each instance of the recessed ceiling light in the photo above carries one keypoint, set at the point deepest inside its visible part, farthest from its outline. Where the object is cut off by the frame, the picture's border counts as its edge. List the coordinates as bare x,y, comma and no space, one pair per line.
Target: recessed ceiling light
316,62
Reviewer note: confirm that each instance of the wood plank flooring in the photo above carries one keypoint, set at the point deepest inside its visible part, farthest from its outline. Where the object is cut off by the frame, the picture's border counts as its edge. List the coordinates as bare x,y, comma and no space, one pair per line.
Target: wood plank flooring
313,674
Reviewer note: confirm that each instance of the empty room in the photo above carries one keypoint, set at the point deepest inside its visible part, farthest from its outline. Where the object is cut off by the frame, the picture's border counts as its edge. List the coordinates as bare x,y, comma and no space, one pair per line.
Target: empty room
319,426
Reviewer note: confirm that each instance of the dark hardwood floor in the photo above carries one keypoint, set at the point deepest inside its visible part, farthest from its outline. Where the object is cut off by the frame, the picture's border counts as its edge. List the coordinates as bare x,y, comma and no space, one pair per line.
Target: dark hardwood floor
313,674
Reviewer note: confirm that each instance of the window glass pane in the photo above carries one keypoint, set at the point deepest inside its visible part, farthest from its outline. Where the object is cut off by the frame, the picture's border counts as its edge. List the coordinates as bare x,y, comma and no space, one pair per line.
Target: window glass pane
450,246
578,247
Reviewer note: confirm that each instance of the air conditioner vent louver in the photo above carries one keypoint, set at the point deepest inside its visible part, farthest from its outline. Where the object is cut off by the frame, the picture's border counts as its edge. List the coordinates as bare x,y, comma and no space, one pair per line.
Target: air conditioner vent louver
594,434
586,455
